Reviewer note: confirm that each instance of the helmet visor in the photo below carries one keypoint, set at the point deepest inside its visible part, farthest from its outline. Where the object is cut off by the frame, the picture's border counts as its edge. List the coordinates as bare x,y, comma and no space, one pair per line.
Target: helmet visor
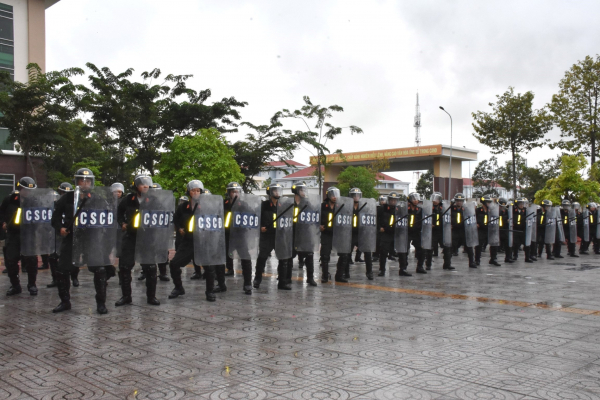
333,194
275,192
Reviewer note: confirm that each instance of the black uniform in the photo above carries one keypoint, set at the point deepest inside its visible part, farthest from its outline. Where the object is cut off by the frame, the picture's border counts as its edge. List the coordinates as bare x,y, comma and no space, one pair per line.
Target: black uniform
437,238
368,256
415,225
386,219
519,227
593,236
126,213
458,234
246,260
185,251
10,215
304,257
328,210
542,221
584,244
63,218
564,220
504,234
269,213
483,218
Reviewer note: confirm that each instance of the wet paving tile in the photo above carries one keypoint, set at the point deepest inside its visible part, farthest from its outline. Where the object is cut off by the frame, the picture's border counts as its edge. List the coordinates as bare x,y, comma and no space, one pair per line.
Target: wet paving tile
396,338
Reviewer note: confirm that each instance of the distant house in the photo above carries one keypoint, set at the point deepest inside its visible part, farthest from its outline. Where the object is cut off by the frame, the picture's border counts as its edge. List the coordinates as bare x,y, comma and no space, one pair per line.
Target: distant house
276,170
389,184
468,189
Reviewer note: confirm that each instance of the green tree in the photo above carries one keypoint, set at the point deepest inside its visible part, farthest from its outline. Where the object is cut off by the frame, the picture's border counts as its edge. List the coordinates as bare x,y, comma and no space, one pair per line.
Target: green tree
319,130
268,143
425,184
37,113
569,184
486,176
535,178
205,156
513,126
137,120
575,108
360,177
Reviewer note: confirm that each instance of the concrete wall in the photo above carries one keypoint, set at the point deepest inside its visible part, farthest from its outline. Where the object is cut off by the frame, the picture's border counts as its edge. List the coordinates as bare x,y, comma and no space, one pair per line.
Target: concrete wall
21,34
15,164
37,32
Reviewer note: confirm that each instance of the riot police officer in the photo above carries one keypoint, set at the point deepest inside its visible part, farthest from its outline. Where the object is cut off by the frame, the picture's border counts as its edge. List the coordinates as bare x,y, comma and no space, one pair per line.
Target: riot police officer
519,226
382,202
300,191
458,229
63,219
387,229
483,219
328,210
437,234
127,214
592,207
270,210
162,267
580,227
182,219
564,220
63,188
356,195
10,215
415,224
505,230
542,222
233,196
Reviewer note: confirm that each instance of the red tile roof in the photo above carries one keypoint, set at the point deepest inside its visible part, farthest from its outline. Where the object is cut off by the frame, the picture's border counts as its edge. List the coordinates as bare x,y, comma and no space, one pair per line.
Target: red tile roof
383,177
283,164
304,173
469,182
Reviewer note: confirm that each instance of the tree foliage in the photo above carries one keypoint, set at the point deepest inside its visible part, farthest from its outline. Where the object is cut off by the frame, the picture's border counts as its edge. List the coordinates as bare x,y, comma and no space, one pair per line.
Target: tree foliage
205,156
425,184
513,126
486,177
569,184
139,119
37,113
319,130
575,108
359,177
267,143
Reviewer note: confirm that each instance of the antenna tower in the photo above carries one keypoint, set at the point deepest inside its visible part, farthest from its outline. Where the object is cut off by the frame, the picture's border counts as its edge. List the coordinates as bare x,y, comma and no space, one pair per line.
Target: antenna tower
417,125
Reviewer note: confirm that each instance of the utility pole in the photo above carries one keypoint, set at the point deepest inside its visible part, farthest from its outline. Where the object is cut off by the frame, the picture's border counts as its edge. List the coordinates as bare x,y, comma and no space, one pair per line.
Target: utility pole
417,125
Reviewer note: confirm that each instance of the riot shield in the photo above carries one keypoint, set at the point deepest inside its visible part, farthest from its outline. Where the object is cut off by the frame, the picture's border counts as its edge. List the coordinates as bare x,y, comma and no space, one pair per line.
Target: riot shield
534,226
550,226
447,223
401,228
209,230
342,225
427,223
572,226
120,232
586,225
37,234
244,227
307,236
367,225
530,220
471,237
559,224
284,228
95,229
153,238
494,225
597,222
510,226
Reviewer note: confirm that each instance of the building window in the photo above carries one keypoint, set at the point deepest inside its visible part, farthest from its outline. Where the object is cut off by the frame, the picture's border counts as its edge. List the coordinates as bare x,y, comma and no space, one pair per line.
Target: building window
7,43
7,184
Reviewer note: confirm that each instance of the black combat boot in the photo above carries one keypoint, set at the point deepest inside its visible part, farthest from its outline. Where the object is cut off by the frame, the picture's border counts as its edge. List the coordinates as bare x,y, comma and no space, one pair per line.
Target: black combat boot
310,271
369,266
162,272
151,286
125,276
176,276
32,277
341,269
247,274
209,276
282,283
63,283
324,272
75,276
220,273
100,286
197,273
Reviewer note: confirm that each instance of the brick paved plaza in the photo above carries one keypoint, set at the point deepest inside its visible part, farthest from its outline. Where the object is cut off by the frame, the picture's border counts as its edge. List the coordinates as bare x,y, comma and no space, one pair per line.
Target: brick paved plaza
522,331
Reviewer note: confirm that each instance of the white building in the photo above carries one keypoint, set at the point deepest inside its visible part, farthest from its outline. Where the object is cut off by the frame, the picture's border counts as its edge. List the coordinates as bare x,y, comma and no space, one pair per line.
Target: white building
468,189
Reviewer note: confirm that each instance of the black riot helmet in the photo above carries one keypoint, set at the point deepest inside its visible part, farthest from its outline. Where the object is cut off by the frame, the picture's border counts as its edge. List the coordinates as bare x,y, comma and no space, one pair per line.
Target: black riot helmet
392,198
459,199
233,190
194,184
275,191
206,191
546,204
300,189
503,202
414,196
141,180
65,187
436,197
566,204
333,194
486,199
520,202
356,194
155,186
183,199
26,183
576,206
592,206
85,179
382,200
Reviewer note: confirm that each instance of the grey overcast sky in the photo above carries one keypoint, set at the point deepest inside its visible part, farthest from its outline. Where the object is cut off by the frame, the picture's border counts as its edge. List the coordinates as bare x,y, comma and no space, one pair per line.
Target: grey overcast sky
370,57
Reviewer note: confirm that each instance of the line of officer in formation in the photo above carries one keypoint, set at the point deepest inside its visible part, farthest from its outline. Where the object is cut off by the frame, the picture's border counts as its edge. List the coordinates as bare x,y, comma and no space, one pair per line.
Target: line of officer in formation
91,225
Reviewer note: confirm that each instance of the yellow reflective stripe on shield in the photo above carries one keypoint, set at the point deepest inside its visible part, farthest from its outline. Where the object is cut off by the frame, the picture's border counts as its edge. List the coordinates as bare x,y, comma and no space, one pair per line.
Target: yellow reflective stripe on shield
136,221
296,211
500,222
542,219
591,218
437,222
458,218
354,221
392,220
274,220
18,217
228,219
412,220
191,225
485,220
330,219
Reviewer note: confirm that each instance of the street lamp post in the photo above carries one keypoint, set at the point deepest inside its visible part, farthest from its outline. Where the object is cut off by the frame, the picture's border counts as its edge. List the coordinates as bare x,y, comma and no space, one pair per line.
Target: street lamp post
450,173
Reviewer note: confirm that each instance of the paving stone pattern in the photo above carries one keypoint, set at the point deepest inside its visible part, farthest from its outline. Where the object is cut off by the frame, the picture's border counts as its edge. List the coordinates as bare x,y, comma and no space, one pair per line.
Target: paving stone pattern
329,342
